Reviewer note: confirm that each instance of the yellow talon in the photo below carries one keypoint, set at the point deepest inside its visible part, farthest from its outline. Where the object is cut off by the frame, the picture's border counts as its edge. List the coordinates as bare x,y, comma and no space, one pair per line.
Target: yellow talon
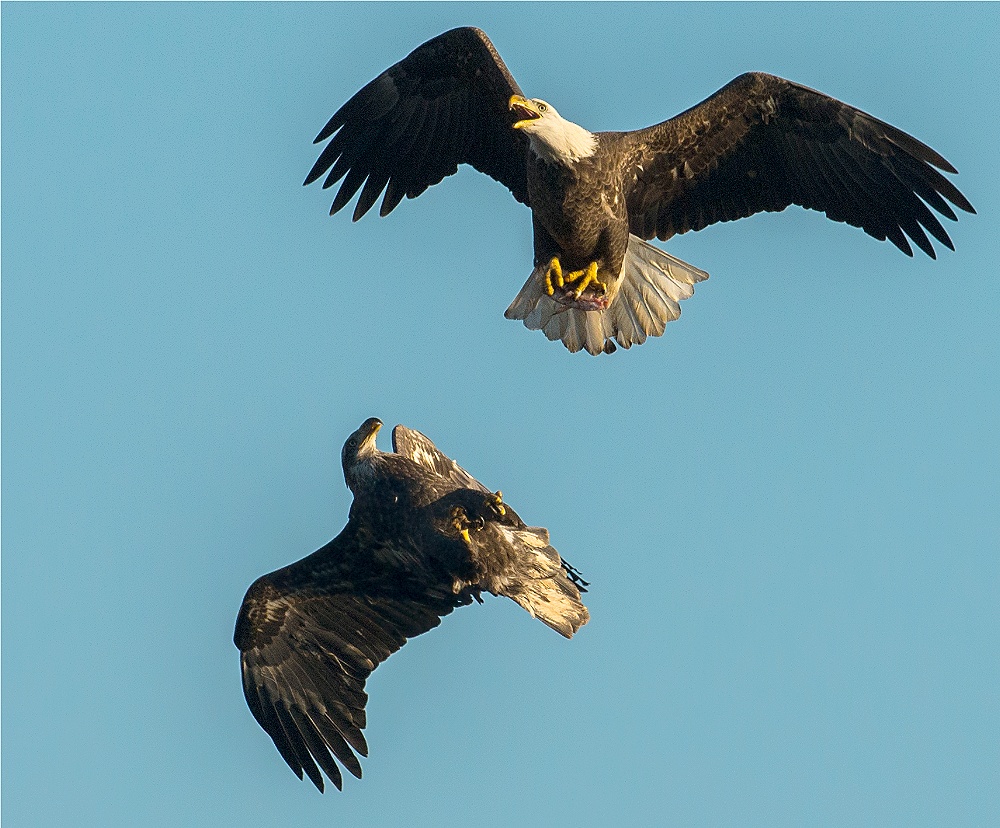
554,268
460,520
586,278
555,278
461,523
496,501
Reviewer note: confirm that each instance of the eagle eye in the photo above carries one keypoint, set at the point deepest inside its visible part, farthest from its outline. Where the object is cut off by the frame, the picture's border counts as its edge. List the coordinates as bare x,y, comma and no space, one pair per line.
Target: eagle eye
542,107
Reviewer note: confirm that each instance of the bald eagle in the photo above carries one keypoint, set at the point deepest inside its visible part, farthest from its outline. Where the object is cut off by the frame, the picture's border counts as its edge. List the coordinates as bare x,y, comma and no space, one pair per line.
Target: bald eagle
423,537
759,143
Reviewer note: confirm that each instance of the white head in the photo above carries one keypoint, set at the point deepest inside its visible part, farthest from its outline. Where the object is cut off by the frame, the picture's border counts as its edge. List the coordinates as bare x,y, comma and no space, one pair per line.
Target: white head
552,137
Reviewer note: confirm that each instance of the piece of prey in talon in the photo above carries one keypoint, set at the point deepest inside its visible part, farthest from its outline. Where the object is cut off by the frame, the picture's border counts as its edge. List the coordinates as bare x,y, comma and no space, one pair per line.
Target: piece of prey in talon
423,537
759,143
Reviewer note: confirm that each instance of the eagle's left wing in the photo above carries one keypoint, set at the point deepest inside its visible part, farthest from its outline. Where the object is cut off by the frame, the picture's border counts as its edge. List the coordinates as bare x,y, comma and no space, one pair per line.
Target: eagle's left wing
309,636
763,143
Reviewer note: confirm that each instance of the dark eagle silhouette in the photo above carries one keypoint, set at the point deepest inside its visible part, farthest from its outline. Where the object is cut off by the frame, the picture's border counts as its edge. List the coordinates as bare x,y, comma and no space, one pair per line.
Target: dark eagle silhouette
759,143
423,537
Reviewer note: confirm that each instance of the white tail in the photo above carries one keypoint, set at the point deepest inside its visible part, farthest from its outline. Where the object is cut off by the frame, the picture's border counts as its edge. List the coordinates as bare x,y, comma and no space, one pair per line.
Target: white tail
644,297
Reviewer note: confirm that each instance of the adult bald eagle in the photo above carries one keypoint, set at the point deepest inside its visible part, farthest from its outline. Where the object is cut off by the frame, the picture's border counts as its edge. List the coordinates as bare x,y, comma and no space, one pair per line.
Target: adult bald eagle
759,143
423,537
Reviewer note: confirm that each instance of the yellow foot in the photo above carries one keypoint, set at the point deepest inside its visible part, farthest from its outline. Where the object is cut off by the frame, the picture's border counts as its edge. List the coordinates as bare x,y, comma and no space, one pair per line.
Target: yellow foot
586,278
553,276
460,521
495,502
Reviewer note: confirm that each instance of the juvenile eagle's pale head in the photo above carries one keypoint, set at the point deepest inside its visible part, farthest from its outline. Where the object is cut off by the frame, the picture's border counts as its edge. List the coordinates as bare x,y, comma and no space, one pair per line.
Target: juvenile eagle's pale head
552,137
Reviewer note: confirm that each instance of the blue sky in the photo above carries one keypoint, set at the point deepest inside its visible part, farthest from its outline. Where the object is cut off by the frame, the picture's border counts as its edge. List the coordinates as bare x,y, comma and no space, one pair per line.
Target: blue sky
786,505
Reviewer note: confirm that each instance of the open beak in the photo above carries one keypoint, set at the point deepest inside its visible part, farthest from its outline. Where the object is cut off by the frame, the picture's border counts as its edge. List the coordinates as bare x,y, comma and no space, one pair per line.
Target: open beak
525,110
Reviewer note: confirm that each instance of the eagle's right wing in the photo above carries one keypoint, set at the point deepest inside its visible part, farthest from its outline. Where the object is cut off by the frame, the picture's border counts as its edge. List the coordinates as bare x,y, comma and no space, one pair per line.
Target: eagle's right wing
531,573
411,443
444,104
309,639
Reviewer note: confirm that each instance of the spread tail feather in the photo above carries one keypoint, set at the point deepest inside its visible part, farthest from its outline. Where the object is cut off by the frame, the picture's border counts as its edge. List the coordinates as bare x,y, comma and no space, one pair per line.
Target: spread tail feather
542,584
644,298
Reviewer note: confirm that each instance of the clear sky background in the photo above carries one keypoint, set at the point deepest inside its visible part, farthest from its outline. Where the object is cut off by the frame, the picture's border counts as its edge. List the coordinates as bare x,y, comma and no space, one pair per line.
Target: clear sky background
787,505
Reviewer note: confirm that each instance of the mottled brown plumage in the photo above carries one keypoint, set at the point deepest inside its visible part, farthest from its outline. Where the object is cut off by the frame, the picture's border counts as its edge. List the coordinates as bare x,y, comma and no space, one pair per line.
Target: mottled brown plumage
760,143
423,537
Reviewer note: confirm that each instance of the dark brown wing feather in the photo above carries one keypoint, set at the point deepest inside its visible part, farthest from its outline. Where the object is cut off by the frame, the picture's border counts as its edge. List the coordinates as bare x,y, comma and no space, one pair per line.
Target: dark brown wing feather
762,143
309,636
443,105
411,443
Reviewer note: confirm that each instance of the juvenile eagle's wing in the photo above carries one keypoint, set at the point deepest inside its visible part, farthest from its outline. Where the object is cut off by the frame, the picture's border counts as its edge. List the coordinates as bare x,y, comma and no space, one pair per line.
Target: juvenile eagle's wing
762,143
309,636
444,104
521,563
413,444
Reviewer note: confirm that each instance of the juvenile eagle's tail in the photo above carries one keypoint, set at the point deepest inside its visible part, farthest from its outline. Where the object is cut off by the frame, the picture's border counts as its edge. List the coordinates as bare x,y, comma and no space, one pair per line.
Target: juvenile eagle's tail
643,299
541,583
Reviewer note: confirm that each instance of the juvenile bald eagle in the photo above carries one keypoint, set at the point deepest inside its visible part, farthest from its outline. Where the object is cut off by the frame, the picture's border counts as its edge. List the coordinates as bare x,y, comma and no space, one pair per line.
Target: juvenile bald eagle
423,537
759,143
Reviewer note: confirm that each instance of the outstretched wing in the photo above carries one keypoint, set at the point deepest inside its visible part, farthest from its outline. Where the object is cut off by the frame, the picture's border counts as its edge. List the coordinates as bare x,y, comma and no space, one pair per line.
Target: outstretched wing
308,640
413,444
762,143
444,104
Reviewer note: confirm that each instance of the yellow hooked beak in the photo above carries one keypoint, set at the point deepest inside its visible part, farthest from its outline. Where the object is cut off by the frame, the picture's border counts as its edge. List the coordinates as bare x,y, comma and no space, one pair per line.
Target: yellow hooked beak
525,109
369,428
